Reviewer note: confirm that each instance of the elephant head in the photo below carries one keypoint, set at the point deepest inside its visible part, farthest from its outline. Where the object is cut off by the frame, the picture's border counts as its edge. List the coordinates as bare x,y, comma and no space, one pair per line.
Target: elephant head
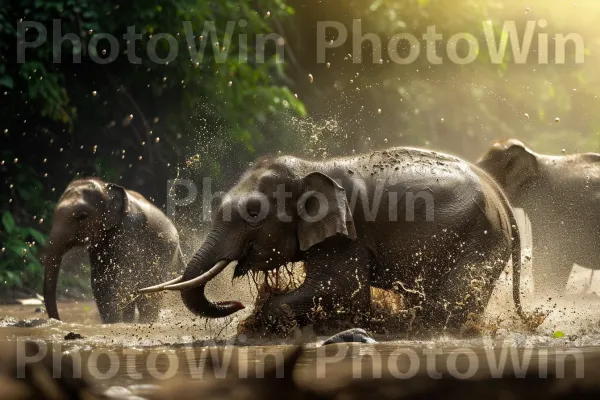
87,210
268,219
513,165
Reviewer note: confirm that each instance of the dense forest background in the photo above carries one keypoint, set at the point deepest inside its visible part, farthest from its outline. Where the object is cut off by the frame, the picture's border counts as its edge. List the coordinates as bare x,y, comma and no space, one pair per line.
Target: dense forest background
143,124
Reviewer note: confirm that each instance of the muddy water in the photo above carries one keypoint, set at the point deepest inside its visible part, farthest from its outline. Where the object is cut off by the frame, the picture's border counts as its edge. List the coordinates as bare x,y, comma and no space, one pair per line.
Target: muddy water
130,359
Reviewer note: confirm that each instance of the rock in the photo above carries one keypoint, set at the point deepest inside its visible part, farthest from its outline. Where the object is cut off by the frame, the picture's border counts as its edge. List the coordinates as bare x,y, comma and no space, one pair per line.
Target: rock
30,302
355,335
73,336
118,392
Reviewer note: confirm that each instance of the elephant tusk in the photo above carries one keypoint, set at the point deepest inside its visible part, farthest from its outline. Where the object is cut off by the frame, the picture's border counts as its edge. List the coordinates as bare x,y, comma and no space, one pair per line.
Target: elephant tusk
160,287
202,279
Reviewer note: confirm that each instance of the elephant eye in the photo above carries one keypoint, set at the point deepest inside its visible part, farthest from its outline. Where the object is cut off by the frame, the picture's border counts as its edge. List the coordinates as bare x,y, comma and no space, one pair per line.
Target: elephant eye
253,208
81,215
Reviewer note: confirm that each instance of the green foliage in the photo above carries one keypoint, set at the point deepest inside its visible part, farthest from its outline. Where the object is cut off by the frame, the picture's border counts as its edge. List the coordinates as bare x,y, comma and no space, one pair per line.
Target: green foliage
19,265
20,240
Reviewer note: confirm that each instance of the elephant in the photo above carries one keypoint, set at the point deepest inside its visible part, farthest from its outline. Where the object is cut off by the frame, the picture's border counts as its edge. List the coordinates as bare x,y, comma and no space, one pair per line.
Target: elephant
561,197
131,244
430,225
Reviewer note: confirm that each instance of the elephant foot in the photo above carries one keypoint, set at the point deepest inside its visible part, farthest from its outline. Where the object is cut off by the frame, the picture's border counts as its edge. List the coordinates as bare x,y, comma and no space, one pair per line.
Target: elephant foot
279,320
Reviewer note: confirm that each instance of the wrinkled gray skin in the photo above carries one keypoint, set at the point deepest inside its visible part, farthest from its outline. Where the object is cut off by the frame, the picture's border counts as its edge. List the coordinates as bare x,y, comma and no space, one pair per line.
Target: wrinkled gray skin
447,266
131,244
561,196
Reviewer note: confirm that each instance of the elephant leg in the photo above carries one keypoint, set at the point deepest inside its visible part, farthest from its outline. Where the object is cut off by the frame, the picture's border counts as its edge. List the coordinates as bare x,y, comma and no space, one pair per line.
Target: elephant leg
551,274
128,312
464,292
148,307
104,290
337,280
105,300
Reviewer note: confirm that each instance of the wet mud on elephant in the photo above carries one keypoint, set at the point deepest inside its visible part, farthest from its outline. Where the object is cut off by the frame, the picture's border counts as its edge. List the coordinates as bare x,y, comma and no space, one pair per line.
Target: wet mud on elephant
429,225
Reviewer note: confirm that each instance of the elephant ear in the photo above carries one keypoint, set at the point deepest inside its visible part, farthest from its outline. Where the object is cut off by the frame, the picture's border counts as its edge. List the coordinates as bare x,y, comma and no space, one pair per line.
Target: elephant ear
116,205
521,164
323,210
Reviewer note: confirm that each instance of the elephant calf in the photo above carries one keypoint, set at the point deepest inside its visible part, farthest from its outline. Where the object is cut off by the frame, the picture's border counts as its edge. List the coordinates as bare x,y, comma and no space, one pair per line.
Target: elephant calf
131,244
427,224
561,196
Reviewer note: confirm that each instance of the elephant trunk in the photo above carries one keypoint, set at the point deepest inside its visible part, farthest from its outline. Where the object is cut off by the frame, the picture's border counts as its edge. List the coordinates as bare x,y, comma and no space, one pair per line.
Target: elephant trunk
52,257
206,264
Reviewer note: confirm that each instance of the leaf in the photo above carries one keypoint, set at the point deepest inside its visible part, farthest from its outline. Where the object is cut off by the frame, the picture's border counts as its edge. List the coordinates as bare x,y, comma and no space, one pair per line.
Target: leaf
8,222
37,235
558,335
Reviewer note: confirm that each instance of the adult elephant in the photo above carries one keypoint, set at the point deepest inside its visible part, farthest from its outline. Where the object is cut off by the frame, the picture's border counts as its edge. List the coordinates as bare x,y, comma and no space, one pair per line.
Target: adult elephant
426,223
131,244
561,196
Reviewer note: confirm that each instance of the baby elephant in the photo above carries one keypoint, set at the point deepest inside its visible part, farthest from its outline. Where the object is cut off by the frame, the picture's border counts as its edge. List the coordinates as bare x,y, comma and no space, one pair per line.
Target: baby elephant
561,196
131,244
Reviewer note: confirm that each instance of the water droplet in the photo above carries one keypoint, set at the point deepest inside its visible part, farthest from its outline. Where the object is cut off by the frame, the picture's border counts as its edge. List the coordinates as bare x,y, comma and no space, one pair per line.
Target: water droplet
16,160
157,140
94,93
557,120
268,14
130,117
379,111
230,84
